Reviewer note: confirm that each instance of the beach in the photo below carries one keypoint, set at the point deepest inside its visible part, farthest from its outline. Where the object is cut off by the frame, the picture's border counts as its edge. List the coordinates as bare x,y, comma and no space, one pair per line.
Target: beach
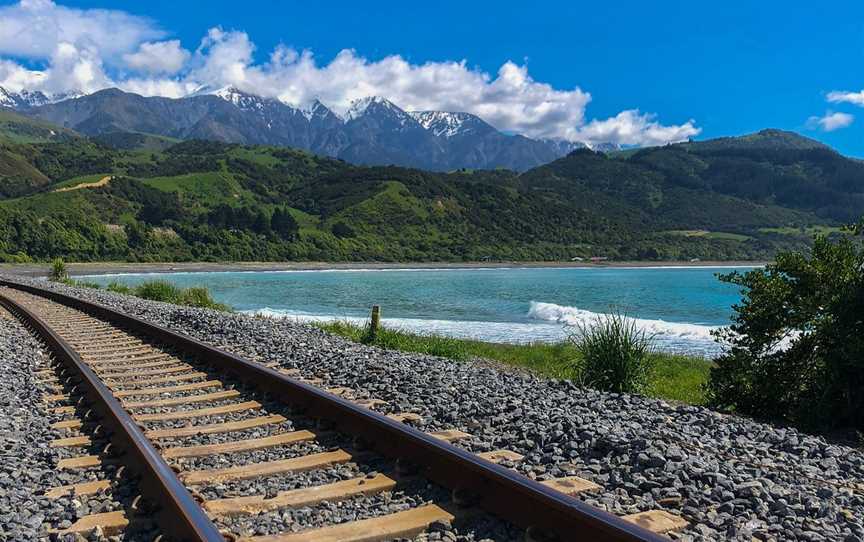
106,268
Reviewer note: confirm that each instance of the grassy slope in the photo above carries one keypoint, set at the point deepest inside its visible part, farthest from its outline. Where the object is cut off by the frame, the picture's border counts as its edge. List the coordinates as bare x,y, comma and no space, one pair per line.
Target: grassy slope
675,377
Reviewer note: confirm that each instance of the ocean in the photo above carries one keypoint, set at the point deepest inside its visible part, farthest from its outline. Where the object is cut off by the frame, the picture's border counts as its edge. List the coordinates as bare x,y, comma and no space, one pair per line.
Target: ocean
679,306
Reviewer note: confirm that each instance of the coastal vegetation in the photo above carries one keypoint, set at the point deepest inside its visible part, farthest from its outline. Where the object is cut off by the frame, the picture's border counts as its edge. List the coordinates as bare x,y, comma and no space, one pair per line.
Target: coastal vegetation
736,198
162,290
796,345
154,290
666,376
614,354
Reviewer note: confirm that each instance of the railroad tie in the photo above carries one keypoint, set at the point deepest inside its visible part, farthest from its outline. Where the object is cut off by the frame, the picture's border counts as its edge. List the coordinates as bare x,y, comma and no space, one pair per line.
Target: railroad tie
85,488
111,523
246,445
658,521
189,399
406,524
71,442
297,498
266,468
169,389
497,456
224,427
157,380
197,413
136,374
449,435
571,485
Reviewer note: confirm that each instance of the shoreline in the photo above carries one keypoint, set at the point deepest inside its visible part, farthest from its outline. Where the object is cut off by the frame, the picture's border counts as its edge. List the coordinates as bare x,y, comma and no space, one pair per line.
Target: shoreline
111,268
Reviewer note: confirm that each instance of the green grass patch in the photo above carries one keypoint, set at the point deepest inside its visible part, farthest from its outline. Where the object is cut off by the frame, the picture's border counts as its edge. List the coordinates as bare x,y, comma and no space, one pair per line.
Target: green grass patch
209,188
154,290
721,235
808,231
673,377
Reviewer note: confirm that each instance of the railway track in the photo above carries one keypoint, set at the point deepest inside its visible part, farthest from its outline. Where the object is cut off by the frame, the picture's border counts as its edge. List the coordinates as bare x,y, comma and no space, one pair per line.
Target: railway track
221,447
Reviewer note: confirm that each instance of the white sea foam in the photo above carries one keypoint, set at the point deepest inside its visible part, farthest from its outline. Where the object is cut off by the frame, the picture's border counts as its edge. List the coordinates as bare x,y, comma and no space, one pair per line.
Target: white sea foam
553,323
572,316
504,332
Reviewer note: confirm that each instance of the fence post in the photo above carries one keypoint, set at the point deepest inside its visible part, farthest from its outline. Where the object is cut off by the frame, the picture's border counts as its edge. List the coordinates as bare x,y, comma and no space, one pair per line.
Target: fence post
375,320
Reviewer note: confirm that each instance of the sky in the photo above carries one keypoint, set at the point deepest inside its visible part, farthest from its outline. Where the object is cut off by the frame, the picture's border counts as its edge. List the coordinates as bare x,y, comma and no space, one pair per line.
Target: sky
634,73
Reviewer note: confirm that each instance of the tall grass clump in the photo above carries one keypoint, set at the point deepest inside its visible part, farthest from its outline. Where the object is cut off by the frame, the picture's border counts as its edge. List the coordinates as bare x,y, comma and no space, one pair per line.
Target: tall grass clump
162,290
158,290
616,356
59,273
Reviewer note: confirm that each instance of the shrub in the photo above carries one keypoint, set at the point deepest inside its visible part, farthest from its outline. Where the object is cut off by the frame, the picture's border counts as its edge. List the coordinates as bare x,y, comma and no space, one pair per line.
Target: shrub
796,345
58,270
615,354
199,297
158,290
118,287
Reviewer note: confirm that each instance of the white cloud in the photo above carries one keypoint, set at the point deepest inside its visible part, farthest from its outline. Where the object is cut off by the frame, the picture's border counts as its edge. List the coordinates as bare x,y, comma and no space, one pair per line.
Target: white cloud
33,28
167,57
634,128
830,121
91,49
843,96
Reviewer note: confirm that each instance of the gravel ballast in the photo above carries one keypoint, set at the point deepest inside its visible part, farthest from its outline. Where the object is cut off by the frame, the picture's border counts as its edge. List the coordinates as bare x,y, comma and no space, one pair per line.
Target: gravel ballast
731,477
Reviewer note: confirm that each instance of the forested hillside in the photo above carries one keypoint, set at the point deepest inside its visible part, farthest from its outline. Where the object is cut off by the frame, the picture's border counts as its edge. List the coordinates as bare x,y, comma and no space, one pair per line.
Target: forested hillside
195,200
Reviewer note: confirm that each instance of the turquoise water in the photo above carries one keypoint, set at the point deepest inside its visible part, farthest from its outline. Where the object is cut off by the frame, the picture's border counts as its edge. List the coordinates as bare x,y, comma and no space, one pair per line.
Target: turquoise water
680,305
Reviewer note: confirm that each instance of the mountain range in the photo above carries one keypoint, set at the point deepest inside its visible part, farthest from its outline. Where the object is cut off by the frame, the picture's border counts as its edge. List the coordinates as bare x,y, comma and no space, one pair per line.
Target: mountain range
128,196
374,130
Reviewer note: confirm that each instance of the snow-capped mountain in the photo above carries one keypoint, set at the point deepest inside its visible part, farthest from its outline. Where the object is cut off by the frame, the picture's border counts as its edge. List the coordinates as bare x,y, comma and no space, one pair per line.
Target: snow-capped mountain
373,130
449,124
380,109
32,98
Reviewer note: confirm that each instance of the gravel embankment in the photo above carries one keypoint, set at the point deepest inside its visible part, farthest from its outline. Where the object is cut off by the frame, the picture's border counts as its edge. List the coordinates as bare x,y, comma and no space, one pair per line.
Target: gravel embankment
734,478
28,463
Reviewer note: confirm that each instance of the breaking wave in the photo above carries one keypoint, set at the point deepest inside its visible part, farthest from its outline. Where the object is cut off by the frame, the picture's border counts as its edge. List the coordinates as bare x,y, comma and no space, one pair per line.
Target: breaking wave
664,332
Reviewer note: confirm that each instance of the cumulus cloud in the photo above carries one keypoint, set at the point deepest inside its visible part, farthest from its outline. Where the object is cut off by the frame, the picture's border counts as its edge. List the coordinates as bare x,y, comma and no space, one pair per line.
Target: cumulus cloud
166,57
634,128
843,96
830,121
79,54
33,28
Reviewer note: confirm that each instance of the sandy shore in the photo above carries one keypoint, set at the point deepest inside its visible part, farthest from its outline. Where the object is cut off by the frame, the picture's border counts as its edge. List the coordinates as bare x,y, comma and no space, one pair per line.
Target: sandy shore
103,268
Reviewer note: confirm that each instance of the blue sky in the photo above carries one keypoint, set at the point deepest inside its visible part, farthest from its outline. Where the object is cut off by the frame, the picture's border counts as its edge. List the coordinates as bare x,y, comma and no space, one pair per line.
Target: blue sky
730,68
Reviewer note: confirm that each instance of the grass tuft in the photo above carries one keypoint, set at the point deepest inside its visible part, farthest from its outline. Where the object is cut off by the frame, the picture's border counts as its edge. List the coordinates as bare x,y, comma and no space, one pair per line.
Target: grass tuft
615,354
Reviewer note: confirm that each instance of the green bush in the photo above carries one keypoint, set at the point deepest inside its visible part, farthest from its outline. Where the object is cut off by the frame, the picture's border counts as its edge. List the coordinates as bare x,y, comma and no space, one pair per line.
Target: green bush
58,270
161,290
199,297
118,287
615,354
158,290
796,346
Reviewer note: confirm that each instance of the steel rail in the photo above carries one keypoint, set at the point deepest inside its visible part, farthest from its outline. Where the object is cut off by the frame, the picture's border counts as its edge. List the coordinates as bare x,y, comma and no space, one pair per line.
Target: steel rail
179,515
500,491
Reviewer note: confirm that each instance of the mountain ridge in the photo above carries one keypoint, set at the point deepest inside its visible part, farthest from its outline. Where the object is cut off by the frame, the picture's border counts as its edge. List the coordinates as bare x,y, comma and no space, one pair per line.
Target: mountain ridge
374,130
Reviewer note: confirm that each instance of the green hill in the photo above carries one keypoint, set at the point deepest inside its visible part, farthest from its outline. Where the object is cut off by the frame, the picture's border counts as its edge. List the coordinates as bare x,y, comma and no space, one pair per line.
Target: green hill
732,198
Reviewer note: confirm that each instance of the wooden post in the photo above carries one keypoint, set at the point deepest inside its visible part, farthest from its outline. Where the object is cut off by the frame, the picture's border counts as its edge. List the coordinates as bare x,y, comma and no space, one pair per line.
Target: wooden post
375,320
